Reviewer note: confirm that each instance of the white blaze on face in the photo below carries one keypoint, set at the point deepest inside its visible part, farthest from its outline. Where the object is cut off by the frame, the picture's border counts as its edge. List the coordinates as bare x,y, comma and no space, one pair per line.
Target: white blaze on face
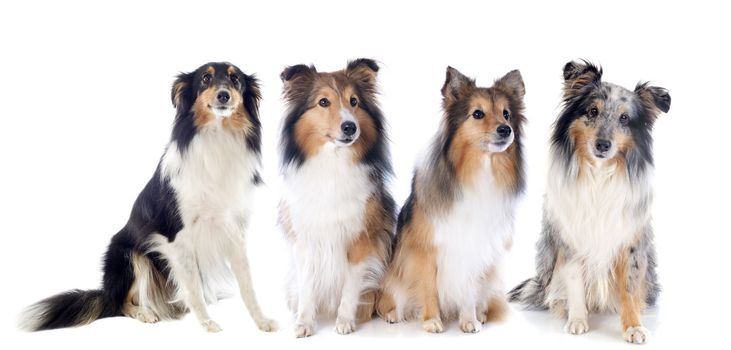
347,116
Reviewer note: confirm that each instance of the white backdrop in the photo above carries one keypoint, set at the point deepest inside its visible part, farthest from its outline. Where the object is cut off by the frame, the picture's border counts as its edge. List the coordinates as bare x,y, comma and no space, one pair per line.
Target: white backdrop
86,112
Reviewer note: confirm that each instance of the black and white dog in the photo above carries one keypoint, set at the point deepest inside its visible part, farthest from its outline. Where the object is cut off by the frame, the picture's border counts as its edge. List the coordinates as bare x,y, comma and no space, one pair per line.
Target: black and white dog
188,223
596,251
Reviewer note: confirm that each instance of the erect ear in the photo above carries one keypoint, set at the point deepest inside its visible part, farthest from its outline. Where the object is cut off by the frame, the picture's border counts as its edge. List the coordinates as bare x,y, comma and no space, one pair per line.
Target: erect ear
456,86
363,70
252,95
181,86
654,97
576,75
512,83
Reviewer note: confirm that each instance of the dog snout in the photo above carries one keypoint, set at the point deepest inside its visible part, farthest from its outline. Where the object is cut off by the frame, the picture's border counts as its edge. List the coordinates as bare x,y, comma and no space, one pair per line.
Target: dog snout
223,96
504,130
349,128
603,145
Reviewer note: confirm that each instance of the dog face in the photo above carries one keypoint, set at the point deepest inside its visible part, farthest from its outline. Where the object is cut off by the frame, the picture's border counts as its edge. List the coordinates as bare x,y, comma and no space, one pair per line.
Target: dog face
606,121
335,108
483,118
218,93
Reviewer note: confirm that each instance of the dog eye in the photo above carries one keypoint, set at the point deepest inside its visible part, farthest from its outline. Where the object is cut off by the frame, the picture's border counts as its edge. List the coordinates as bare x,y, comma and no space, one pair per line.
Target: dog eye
478,114
324,102
353,101
506,114
207,79
234,78
624,119
593,112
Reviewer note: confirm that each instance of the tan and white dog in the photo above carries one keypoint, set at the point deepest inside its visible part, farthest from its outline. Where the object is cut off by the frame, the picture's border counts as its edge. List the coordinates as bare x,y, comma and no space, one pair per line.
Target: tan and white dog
457,225
337,214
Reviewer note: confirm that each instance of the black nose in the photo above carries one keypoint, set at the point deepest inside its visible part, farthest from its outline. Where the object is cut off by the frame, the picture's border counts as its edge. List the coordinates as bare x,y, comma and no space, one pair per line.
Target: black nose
504,130
223,96
603,145
348,128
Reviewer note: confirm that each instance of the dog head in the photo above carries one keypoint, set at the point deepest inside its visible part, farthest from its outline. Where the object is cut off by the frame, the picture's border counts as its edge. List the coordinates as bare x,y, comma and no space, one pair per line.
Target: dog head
216,95
333,109
483,118
606,122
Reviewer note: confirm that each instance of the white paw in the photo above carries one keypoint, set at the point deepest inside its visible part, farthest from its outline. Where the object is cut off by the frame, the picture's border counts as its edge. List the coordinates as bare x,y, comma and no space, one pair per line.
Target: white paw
145,315
304,330
577,326
433,325
636,335
482,316
470,326
391,317
266,325
211,326
344,326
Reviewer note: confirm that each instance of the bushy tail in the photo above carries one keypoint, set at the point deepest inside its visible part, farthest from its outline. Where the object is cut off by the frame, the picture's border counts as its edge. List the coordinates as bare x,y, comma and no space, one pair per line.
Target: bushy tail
79,307
530,293
69,309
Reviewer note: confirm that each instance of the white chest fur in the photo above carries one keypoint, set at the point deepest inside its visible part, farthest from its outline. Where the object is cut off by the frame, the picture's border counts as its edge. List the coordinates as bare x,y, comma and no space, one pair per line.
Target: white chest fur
326,198
213,184
213,176
597,213
470,239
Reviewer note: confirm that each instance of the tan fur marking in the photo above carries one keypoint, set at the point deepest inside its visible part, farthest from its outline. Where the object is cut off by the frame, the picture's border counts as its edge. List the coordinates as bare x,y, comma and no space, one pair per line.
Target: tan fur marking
497,305
414,268
630,304
580,134
203,114
505,167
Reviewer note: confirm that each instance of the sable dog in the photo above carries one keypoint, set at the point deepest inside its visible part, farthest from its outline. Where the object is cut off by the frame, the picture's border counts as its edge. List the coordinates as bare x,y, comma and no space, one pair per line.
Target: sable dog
336,213
596,251
457,224
188,224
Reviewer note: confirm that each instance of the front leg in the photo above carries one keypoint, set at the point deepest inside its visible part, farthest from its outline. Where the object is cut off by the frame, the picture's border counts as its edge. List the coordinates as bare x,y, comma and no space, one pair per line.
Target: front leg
573,279
304,325
186,274
429,296
351,295
240,267
629,271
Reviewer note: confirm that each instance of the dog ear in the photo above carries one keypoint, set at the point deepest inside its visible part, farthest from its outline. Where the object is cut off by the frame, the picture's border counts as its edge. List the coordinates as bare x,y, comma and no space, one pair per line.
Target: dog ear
577,75
292,74
180,89
297,81
512,83
362,70
456,86
252,95
654,97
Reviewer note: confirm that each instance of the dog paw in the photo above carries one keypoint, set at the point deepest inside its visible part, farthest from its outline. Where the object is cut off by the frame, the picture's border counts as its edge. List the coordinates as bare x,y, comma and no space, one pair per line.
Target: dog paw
267,325
433,325
470,326
577,326
303,330
636,335
145,315
211,326
482,316
344,326
391,317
